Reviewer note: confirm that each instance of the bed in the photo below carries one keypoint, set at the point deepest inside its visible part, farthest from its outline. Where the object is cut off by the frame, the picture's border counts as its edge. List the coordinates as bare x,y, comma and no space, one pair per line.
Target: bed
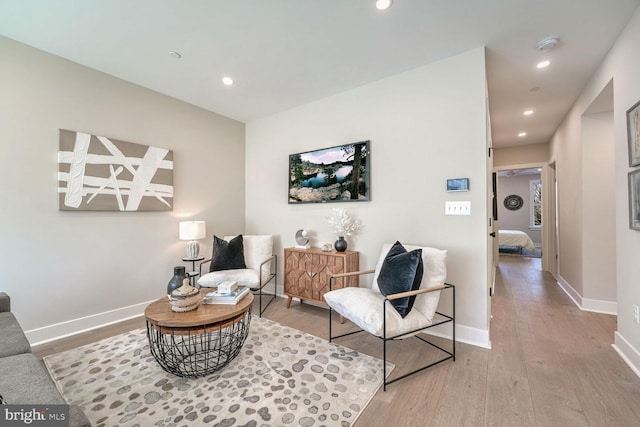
515,239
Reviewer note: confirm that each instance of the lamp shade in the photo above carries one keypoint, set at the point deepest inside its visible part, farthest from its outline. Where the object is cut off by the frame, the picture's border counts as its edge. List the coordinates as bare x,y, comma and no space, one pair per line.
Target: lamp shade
192,230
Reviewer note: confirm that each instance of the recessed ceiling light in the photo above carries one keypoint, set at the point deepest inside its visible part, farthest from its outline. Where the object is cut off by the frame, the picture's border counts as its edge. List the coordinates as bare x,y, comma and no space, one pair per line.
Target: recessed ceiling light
175,55
227,81
522,134
543,64
383,4
528,112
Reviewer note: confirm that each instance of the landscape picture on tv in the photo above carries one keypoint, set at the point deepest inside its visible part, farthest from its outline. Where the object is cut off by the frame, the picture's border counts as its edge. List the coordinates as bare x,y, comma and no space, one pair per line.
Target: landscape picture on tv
335,174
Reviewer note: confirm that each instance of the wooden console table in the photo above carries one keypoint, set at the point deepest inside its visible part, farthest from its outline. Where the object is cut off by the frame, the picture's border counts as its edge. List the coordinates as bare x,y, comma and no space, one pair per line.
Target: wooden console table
307,272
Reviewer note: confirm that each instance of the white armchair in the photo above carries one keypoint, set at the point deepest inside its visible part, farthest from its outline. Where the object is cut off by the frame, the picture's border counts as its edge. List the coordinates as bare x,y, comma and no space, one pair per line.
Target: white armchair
261,268
371,309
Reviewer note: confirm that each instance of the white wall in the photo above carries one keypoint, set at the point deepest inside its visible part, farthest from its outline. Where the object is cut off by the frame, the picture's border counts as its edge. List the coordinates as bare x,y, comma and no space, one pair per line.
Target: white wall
520,219
598,206
425,125
623,66
67,271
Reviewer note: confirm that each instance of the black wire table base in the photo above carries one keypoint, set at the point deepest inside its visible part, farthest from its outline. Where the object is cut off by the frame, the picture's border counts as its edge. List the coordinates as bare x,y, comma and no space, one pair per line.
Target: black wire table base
198,351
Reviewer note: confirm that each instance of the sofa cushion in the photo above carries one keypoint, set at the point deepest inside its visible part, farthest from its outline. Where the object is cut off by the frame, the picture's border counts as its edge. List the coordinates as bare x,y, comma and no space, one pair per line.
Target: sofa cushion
12,338
5,302
23,380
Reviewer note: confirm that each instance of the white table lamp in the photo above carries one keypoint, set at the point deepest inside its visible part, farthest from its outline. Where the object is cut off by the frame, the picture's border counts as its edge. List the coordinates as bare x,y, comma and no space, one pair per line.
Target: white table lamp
192,231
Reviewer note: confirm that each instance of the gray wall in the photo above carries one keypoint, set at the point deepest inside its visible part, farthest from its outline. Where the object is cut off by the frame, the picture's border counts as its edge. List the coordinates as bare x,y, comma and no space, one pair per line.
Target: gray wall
68,271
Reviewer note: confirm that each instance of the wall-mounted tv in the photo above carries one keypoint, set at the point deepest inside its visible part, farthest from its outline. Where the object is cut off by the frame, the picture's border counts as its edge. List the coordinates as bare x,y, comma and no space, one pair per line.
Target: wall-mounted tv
334,174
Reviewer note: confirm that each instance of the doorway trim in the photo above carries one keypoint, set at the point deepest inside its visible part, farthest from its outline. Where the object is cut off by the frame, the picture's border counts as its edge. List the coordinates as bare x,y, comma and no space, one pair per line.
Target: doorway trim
544,176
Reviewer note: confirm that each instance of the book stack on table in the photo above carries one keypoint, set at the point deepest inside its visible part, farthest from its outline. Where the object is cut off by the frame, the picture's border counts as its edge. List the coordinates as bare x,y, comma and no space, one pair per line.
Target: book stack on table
227,293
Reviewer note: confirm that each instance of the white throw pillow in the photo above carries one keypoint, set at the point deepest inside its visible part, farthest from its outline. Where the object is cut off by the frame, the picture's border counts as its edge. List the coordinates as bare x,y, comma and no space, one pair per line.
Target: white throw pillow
363,307
257,249
435,274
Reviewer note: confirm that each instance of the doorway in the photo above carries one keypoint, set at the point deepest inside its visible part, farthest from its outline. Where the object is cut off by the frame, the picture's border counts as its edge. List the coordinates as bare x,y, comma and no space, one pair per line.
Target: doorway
520,194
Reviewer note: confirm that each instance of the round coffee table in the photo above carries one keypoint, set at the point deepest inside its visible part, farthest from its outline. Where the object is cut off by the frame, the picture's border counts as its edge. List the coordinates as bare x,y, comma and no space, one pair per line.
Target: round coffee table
198,342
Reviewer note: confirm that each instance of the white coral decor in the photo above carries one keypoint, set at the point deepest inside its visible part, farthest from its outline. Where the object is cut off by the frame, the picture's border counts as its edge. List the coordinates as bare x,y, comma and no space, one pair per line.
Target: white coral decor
342,224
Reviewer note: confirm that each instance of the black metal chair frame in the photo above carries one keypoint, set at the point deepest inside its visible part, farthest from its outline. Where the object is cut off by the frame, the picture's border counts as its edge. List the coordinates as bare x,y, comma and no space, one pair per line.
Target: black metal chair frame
447,319
272,276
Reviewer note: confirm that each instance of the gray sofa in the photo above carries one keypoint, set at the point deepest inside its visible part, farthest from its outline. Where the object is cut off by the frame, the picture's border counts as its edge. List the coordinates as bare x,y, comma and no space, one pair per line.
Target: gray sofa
23,379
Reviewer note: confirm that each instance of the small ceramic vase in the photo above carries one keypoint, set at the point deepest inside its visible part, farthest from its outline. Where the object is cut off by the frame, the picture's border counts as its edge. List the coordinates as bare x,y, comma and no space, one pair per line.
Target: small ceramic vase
340,244
179,274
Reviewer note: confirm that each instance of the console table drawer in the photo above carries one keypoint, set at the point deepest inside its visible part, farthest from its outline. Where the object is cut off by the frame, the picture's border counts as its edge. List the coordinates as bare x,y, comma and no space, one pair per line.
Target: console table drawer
307,272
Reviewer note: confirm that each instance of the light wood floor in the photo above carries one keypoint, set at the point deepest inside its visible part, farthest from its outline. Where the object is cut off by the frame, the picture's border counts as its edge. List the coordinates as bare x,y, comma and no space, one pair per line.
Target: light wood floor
551,364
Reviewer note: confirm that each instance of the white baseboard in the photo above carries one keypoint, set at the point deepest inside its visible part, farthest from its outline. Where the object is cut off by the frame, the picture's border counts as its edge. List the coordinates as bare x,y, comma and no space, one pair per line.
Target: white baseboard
566,287
465,334
587,304
75,326
600,306
627,352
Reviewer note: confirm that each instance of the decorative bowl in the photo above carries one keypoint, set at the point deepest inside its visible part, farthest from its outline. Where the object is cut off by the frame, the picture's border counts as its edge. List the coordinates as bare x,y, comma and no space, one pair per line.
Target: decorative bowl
185,298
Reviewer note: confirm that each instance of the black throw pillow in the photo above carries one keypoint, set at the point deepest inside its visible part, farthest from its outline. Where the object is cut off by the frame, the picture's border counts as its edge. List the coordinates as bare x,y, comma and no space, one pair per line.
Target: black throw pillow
227,255
401,271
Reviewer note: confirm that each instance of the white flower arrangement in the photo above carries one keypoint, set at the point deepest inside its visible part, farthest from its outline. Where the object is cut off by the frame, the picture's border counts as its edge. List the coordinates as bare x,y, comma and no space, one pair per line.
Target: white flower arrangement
342,224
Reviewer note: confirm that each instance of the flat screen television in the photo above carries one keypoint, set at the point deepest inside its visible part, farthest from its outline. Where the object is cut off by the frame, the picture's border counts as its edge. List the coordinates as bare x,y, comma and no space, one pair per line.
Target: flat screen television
334,174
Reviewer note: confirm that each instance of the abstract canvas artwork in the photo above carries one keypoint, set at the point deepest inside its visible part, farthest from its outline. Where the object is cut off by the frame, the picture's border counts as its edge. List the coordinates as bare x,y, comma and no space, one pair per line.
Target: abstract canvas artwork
96,173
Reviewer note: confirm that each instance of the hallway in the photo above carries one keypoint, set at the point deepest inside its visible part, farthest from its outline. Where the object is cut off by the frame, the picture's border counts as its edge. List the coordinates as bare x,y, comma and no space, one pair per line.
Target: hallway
551,363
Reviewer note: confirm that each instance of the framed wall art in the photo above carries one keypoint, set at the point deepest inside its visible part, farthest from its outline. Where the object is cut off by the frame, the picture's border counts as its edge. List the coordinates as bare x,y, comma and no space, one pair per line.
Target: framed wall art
633,134
634,200
96,173
334,174
513,202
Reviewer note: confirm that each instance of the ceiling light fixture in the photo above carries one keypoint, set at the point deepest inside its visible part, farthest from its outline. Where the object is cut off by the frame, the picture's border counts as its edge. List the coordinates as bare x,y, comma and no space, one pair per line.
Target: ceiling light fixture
227,81
543,64
175,55
383,4
522,134
528,112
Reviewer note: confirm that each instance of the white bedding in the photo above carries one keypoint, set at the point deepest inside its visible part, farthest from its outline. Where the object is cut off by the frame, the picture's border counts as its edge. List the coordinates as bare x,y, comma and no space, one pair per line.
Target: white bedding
515,238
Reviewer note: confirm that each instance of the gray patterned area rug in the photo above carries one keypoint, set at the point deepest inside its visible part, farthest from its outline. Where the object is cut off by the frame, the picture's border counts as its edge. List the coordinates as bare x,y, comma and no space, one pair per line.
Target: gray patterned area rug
282,377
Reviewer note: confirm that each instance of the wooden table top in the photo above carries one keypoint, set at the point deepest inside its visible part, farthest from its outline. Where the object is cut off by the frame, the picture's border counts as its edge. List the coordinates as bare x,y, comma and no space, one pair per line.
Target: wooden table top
159,312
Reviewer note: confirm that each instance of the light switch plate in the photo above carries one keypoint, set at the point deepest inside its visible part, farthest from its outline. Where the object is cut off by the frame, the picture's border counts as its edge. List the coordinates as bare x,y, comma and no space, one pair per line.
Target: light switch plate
457,208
